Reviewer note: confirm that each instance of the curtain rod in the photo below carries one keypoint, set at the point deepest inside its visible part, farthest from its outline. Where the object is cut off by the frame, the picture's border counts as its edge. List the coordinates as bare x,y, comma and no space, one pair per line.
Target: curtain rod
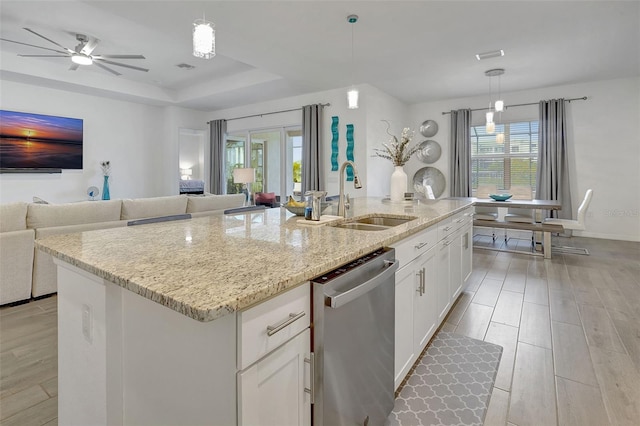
269,113
584,98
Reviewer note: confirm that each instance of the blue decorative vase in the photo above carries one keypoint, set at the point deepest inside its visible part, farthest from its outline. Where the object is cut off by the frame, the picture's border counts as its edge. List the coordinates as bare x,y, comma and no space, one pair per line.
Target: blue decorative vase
105,189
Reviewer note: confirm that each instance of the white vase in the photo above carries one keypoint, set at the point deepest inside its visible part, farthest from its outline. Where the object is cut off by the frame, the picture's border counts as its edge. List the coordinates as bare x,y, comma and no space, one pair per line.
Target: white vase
398,184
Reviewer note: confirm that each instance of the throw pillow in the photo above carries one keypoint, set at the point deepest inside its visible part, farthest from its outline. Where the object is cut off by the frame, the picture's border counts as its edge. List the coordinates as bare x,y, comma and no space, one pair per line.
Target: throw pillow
39,200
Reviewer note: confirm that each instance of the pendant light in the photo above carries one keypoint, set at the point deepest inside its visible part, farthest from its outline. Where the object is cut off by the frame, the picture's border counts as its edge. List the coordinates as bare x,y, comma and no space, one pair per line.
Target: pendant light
204,39
352,94
499,105
490,126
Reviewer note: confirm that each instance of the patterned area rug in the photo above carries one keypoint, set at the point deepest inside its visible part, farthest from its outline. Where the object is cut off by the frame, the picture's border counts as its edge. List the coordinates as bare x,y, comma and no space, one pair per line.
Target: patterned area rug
450,385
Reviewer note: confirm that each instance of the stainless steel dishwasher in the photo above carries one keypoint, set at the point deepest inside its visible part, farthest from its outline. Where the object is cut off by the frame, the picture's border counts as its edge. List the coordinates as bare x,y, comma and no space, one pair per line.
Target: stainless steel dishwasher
353,341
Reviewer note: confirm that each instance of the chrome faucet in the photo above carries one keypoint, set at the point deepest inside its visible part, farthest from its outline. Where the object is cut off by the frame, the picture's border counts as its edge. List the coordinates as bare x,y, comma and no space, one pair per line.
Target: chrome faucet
343,202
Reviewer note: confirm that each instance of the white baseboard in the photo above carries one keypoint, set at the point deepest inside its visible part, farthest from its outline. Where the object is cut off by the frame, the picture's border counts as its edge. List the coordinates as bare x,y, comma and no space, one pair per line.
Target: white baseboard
618,237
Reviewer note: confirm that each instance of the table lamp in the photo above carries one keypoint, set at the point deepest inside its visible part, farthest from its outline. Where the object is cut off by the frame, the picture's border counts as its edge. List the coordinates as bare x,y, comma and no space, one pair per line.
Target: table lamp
246,176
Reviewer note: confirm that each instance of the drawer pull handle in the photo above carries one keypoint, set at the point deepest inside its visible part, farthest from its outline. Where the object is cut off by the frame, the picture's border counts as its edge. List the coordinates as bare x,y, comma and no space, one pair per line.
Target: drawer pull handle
420,245
447,228
273,329
460,220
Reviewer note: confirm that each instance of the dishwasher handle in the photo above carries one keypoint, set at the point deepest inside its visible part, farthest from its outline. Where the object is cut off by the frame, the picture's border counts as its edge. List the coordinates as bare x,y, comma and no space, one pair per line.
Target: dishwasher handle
342,299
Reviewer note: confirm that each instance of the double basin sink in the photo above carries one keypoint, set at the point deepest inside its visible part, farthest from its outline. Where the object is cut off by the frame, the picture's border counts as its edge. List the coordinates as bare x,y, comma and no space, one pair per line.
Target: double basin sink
377,222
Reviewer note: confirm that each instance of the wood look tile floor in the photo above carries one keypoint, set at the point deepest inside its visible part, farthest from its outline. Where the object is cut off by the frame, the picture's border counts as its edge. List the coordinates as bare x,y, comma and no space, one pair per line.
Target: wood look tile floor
569,326
570,329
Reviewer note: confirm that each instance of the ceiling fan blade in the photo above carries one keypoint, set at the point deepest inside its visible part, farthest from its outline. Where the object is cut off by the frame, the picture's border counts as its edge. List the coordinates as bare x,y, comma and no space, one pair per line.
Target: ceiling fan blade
119,64
48,39
89,46
44,56
118,57
33,45
106,68
73,66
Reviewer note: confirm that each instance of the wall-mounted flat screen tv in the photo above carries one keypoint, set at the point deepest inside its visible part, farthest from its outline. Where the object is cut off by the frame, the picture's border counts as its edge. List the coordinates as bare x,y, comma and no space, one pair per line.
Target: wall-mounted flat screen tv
39,143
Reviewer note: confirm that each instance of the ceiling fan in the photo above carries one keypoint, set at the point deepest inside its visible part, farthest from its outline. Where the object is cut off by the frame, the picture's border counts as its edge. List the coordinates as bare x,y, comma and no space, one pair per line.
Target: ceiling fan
82,54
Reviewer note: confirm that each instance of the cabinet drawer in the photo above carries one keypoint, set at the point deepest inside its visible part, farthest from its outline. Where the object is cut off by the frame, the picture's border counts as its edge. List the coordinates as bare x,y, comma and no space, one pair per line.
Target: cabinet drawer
445,227
413,246
462,218
268,325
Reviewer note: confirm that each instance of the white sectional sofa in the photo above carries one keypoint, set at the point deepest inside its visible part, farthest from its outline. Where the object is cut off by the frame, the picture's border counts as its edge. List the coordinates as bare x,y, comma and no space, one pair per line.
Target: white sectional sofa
16,253
25,272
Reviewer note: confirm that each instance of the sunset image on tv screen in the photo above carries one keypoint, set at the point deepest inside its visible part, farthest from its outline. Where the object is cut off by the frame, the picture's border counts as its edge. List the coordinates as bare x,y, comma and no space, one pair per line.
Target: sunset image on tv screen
35,141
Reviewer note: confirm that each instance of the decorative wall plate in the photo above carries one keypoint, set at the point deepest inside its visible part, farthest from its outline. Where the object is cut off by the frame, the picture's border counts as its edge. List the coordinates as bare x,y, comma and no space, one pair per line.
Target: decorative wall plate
93,193
429,176
429,151
429,128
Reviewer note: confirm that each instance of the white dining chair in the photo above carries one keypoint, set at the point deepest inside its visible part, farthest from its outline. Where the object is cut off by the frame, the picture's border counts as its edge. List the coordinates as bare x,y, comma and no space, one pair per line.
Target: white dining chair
574,225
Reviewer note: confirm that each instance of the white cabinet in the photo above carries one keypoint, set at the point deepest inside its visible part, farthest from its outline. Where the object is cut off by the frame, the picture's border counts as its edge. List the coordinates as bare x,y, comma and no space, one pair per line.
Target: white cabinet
424,301
272,391
405,349
274,359
434,264
443,295
455,265
466,264
415,308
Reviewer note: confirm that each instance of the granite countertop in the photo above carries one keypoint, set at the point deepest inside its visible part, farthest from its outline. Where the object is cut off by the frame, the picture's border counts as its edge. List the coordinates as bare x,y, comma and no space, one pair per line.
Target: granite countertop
211,266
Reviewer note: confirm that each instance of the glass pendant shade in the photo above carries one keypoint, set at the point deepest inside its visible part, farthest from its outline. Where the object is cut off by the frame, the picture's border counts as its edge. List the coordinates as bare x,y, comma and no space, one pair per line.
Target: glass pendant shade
500,138
499,105
489,117
352,98
204,39
491,128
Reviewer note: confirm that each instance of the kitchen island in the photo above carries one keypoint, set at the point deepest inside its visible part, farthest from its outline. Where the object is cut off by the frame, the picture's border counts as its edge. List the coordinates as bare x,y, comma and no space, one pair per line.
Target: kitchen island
151,317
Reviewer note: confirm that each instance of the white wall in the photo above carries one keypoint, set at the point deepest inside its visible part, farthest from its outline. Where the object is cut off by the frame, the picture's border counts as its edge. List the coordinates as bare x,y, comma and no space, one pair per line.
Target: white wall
603,136
381,106
141,141
338,107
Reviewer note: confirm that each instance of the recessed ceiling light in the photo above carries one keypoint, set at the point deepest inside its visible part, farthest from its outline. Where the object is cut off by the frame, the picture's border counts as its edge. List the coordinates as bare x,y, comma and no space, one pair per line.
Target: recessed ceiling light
492,54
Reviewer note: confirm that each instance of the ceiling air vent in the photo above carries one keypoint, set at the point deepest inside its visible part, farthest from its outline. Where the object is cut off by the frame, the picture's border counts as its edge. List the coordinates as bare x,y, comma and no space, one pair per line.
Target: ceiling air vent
185,66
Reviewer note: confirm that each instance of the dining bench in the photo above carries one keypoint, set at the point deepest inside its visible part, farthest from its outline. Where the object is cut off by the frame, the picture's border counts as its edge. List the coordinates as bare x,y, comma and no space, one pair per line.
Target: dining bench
546,230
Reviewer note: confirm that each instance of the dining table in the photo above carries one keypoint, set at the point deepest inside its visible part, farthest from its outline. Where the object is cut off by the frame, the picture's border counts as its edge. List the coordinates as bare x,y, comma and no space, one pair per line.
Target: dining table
537,205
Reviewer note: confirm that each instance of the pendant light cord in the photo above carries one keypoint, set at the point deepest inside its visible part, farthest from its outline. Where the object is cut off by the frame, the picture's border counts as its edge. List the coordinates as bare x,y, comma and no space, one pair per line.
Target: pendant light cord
353,62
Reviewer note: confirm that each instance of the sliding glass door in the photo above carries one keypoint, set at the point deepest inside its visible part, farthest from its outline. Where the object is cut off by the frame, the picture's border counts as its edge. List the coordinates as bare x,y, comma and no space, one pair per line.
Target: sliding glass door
275,154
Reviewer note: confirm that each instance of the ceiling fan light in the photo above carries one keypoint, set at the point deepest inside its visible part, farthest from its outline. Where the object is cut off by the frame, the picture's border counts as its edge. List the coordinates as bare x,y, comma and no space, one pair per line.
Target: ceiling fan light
204,39
81,59
499,105
352,98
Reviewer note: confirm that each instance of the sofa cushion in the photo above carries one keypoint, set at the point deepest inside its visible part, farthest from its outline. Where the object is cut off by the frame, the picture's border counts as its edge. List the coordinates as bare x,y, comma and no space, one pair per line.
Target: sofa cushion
141,208
13,217
265,197
214,202
48,215
16,265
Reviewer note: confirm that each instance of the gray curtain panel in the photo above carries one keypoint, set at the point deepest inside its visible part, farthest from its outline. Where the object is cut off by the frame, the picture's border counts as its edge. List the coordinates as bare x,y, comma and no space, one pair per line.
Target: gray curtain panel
217,131
552,178
311,149
460,153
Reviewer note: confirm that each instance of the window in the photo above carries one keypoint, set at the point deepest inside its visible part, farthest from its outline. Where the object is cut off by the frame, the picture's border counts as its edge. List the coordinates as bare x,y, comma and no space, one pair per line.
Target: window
508,165
275,154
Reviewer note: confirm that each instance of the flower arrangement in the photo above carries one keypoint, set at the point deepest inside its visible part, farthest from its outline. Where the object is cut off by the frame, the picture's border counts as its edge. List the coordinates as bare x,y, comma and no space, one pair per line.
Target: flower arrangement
397,151
106,167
